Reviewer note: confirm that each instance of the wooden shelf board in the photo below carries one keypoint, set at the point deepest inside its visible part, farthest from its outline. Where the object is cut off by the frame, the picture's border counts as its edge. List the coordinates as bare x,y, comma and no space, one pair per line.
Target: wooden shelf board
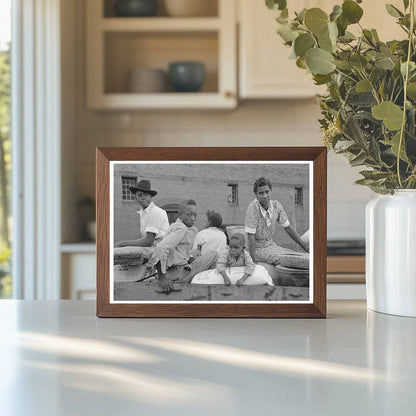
160,24
79,247
345,278
163,101
346,264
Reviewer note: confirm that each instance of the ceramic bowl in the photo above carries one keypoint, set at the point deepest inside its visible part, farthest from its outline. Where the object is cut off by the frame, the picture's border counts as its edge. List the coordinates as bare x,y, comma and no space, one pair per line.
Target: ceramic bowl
186,76
147,80
135,8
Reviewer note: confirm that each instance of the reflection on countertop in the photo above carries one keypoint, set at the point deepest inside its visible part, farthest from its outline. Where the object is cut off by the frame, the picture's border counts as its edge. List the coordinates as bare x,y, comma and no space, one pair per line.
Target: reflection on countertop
355,362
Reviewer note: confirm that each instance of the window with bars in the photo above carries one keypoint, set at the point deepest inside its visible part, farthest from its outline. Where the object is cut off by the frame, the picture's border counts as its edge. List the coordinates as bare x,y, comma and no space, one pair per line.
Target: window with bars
126,182
232,196
299,196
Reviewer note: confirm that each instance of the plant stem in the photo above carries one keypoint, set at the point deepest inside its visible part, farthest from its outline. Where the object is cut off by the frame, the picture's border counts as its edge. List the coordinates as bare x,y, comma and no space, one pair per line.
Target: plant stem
406,79
345,75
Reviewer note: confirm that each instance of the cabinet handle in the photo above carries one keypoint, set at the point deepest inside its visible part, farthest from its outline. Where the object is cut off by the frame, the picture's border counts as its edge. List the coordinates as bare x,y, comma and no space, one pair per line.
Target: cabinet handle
228,94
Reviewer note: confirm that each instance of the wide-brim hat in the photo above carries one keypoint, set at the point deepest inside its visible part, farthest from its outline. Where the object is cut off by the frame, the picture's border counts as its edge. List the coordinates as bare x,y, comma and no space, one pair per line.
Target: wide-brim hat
143,186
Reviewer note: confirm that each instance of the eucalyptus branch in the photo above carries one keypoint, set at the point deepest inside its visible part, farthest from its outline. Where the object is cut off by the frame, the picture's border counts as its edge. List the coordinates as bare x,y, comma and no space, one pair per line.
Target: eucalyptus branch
397,95
345,75
406,79
392,90
369,41
384,113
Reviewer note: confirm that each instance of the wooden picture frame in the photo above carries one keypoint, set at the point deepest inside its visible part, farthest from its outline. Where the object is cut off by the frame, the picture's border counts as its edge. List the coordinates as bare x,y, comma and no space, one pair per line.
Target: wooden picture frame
316,157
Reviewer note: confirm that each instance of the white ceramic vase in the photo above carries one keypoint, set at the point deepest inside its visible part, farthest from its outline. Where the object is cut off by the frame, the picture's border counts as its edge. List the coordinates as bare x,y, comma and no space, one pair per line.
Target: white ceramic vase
391,253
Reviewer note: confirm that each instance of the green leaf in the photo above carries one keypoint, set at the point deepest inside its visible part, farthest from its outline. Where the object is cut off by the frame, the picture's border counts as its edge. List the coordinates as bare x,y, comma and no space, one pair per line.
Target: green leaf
300,17
411,90
412,67
393,11
316,20
351,11
377,74
341,64
375,35
385,63
361,99
374,175
358,160
321,79
396,70
303,43
374,150
394,144
325,43
286,32
347,37
406,4
342,25
390,113
333,32
353,130
364,181
276,4
301,63
319,61
336,12
368,36
343,145
358,61
363,86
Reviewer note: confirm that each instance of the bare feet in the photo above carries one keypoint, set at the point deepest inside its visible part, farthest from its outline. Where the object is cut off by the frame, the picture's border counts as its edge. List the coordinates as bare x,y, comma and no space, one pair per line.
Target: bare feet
165,284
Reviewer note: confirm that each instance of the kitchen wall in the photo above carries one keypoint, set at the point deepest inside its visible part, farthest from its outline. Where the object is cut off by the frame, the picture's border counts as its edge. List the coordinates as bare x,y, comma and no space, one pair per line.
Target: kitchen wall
253,123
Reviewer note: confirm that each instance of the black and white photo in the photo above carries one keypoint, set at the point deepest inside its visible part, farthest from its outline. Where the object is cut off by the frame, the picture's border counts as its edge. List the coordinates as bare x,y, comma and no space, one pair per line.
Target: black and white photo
211,232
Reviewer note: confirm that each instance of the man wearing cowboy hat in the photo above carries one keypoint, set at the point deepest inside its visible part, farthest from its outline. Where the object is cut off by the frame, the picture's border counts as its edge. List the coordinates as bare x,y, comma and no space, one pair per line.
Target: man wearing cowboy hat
153,220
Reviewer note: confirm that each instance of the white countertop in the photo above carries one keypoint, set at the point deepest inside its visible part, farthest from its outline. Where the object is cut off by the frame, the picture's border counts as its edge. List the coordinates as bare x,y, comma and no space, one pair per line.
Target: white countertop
57,358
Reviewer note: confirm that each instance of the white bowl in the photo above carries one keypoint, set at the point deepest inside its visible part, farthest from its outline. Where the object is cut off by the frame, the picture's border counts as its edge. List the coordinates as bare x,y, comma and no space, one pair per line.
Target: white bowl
146,80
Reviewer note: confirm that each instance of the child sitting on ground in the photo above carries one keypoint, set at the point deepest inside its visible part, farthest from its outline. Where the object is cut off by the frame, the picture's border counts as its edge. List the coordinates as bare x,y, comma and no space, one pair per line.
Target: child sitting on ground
235,255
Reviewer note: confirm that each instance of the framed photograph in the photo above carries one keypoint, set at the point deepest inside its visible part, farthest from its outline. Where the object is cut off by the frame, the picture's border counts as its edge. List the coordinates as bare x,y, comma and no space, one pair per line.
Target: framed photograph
211,232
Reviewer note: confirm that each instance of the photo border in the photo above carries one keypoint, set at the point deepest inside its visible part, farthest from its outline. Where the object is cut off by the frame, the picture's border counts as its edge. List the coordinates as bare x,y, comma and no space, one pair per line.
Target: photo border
314,308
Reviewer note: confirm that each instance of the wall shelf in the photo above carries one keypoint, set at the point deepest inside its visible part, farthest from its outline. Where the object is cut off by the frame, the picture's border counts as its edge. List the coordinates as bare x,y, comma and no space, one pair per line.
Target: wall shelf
117,46
159,24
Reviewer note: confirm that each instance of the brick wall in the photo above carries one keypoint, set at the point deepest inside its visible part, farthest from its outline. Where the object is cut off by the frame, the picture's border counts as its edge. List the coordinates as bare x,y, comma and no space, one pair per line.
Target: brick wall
207,184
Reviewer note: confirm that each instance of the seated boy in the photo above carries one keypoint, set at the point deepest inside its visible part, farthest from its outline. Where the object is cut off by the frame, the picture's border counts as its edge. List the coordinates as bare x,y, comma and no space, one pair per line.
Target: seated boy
235,255
153,227
171,256
212,238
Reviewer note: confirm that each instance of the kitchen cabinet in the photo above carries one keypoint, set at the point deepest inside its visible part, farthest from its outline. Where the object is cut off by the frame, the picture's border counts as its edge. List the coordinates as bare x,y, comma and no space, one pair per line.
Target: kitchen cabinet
118,45
265,70
78,271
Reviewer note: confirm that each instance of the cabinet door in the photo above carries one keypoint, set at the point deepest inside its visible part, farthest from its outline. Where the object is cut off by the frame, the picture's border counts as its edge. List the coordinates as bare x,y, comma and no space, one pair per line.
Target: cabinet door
78,276
265,68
